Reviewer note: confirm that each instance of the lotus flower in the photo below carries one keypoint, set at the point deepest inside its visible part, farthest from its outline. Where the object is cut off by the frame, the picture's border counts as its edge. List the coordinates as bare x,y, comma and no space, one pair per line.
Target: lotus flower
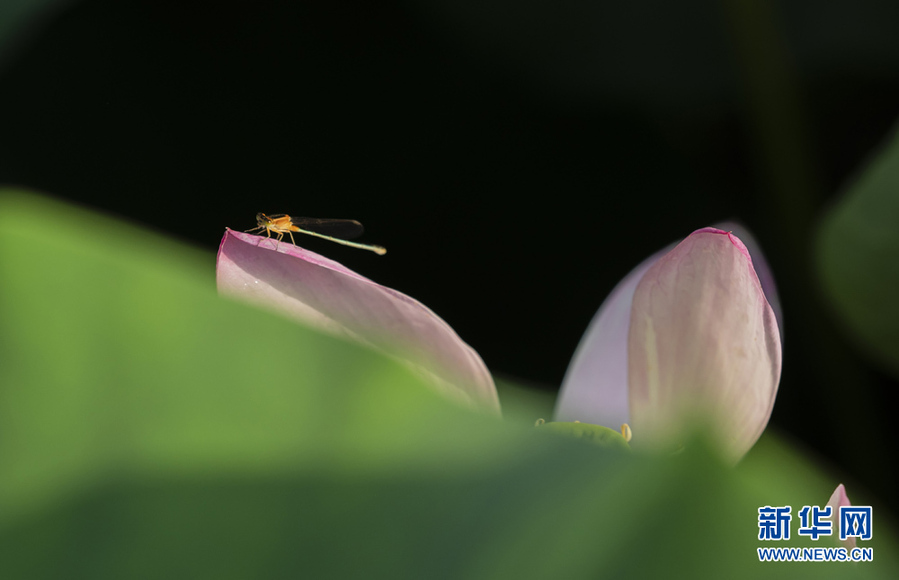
687,336
326,295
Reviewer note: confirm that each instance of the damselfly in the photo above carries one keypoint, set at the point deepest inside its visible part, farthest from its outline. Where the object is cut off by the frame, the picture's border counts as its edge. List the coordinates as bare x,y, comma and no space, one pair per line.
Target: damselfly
339,231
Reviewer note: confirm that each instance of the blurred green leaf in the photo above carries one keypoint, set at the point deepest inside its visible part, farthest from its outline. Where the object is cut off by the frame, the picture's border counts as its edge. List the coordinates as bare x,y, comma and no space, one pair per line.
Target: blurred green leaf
117,351
858,257
150,429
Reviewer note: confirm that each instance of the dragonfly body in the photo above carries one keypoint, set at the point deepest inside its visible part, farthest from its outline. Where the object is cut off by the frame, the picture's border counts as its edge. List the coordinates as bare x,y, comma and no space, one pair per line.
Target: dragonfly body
340,230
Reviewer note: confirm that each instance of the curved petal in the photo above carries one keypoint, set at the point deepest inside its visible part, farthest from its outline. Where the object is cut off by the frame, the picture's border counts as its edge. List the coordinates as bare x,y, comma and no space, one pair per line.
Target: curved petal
322,293
837,500
766,278
595,386
703,342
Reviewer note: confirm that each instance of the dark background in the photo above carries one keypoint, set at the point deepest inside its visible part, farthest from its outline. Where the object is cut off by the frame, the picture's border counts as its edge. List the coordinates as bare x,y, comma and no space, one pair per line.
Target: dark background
516,158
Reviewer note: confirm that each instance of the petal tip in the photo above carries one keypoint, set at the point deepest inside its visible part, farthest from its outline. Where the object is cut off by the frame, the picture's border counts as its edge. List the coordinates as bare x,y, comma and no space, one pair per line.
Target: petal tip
730,236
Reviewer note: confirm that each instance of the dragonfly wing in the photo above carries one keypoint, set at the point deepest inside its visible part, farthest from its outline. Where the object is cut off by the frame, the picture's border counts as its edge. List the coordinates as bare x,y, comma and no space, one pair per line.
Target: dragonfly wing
343,229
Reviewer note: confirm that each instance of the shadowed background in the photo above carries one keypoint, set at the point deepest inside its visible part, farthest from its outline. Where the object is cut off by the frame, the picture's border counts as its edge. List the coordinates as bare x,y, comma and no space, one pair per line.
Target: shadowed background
516,158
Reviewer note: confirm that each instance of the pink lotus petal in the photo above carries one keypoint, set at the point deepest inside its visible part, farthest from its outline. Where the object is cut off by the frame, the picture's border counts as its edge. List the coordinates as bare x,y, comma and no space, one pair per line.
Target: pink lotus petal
838,499
595,386
703,342
766,278
322,293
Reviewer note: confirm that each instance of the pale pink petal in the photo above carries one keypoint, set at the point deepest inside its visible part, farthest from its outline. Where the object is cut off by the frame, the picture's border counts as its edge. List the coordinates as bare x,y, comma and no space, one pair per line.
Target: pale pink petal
595,386
322,293
839,499
703,344
766,278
